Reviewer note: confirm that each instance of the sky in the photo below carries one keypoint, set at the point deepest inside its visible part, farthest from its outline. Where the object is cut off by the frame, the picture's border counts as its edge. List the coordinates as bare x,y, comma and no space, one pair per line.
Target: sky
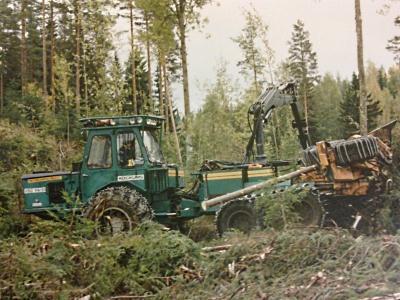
330,23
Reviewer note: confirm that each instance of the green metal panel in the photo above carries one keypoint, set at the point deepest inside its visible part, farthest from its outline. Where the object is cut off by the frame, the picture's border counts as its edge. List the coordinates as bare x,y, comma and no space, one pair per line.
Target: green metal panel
156,180
225,181
220,182
44,191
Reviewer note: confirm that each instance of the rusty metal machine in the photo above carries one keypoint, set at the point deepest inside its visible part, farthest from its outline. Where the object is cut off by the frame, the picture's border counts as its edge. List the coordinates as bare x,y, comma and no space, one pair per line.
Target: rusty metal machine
348,179
352,176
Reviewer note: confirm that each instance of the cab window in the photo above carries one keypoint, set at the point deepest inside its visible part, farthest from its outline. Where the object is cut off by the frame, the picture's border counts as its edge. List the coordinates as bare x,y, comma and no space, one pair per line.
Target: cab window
129,152
100,152
152,146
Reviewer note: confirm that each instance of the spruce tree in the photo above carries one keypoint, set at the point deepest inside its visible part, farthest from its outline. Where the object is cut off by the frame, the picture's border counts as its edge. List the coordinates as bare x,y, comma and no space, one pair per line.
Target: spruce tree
350,113
140,83
303,66
382,78
117,85
326,109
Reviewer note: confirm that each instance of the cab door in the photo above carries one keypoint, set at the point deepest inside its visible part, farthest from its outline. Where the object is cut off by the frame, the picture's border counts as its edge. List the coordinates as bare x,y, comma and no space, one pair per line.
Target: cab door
130,159
97,168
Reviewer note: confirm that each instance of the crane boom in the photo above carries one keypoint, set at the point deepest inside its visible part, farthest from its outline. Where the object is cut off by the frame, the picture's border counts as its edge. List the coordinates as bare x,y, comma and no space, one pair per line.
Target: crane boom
271,98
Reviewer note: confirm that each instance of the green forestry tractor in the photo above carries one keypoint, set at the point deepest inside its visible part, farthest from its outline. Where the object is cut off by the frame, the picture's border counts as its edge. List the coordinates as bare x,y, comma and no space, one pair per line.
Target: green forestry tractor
124,179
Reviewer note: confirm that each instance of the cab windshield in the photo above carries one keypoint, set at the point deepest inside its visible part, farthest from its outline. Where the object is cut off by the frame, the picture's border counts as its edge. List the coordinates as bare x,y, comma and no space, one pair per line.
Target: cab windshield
152,146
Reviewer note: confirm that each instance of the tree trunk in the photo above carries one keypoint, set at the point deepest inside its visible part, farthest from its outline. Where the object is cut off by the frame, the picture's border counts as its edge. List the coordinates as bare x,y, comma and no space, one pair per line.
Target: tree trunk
52,58
65,90
305,100
149,80
254,66
160,88
77,57
1,93
166,110
180,11
44,54
171,114
85,81
361,71
133,67
23,47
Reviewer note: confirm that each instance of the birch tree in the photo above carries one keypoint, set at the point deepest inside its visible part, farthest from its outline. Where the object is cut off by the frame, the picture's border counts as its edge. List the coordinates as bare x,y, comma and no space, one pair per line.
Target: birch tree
257,54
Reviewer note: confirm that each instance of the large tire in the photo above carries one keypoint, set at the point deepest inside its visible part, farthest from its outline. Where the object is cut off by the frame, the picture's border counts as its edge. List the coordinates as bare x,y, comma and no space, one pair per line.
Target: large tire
238,214
118,209
310,211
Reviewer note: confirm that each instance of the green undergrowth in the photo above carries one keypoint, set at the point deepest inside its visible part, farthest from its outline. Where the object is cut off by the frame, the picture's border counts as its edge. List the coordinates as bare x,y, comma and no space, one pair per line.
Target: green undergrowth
24,150
51,263
56,261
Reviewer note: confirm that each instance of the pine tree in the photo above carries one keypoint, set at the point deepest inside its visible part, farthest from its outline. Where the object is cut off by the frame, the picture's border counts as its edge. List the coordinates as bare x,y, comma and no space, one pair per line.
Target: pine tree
143,21
97,40
187,15
303,66
44,51
363,101
159,32
129,5
78,46
9,50
394,43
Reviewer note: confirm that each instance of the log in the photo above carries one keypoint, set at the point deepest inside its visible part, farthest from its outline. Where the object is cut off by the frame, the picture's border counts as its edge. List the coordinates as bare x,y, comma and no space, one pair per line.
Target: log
216,248
259,186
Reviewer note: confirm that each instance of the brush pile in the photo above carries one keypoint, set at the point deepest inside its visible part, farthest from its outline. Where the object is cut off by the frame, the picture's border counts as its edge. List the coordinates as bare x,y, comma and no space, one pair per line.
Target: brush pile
151,262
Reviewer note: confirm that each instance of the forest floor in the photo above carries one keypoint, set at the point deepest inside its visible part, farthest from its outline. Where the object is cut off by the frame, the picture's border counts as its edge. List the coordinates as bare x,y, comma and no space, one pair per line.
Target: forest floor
62,260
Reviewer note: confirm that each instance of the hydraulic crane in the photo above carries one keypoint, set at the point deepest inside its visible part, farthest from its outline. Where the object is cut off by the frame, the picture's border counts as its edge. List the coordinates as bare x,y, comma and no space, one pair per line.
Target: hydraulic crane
261,110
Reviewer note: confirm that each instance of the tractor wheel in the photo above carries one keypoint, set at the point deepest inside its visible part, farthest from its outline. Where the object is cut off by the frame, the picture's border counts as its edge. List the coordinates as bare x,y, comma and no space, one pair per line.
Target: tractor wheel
237,214
118,209
310,211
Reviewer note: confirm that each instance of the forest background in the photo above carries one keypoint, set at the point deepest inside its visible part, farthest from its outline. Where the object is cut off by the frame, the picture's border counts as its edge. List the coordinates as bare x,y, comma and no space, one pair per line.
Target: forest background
59,62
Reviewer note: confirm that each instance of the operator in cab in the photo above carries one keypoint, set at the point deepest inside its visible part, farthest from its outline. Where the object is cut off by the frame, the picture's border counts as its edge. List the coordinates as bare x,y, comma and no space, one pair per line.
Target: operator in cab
127,154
